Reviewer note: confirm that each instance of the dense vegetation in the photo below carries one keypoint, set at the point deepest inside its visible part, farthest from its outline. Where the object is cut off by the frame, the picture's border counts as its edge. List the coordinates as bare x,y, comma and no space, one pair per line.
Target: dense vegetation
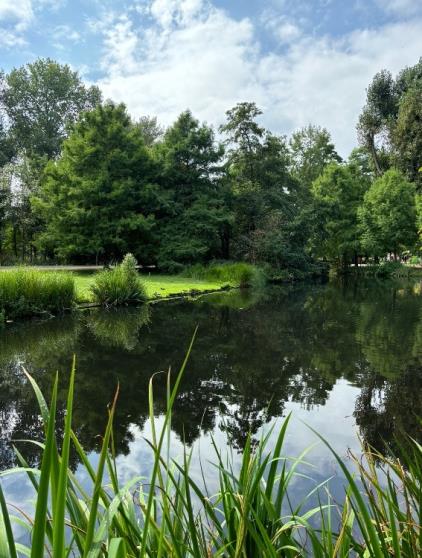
26,292
250,513
80,181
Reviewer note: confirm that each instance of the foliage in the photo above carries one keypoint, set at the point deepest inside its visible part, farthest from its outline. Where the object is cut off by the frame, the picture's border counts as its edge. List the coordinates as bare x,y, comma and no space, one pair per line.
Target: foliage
250,513
337,194
80,181
389,125
408,135
41,99
239,274
97,199
26,292
312,150
387,216
150,130
194,214
119,285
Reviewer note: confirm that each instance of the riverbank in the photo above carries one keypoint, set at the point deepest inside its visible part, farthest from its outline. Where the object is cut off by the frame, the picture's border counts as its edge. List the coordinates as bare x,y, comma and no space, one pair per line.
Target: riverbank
156,286
41,292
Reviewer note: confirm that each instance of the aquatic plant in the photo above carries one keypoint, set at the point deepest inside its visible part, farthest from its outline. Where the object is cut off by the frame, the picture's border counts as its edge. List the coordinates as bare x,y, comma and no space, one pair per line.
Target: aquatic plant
119,285
169,513
29,292
238,274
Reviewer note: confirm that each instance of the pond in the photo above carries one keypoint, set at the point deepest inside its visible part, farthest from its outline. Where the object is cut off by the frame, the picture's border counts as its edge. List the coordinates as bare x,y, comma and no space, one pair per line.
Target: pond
345,359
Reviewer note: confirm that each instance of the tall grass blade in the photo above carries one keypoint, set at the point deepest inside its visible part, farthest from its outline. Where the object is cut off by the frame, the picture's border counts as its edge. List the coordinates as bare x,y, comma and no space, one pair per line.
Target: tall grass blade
41,510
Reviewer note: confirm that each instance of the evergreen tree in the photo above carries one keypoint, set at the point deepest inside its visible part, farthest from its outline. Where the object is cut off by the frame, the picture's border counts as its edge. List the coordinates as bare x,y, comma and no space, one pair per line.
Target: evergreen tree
98,199
337,194
195,216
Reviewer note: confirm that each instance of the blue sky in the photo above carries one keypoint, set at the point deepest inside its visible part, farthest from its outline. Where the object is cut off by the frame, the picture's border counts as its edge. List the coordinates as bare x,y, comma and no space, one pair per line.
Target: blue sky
302,61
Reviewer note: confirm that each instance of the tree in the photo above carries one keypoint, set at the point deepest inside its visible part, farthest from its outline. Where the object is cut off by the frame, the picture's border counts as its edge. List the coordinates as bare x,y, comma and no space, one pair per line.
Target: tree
265,195
40,100
98,199
150,129
195,216
337,194
389,126
407,135
387,216
312,150
377,114
7,150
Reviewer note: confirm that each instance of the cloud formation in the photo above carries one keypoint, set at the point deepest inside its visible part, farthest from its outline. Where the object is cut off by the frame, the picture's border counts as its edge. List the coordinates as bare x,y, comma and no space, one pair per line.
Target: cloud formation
192,54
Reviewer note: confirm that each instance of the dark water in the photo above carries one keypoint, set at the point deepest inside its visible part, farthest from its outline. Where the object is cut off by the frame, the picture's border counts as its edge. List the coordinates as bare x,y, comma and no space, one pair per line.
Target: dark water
344,359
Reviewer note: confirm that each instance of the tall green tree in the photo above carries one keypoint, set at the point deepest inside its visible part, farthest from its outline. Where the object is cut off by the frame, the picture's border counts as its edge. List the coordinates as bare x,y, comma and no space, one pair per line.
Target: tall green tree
387,216
389,126
407,136
312,150
337,194
40,99
195,215
265,195
98,199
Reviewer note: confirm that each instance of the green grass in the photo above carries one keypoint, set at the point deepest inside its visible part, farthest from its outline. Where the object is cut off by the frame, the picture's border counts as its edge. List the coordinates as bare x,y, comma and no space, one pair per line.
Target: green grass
235,274
169,513
29,292
156,286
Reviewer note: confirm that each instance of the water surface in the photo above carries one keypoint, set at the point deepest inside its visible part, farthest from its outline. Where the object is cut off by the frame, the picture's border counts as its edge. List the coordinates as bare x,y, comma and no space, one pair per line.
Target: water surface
345,359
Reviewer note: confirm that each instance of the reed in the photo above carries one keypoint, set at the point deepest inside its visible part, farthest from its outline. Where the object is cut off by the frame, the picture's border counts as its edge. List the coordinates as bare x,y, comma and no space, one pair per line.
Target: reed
169,514
29,292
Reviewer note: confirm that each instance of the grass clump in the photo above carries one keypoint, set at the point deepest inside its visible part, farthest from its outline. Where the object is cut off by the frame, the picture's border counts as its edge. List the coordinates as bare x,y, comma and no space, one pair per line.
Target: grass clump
29,292
119,285
167,512
237,274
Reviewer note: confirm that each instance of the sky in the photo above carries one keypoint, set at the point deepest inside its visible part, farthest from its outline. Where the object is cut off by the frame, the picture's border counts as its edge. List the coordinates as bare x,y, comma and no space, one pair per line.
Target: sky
301,61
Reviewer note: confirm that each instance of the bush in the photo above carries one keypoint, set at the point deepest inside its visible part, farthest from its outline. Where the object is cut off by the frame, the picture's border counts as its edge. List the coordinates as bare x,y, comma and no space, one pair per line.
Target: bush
120,285
239,274
28,292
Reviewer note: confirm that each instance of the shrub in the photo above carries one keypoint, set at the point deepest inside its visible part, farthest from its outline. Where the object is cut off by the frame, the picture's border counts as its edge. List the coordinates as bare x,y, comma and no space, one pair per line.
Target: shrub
239,274
29,292
120,285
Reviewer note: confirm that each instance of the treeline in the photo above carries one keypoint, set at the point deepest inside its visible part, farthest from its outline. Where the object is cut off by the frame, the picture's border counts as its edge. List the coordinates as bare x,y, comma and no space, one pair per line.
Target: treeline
80,181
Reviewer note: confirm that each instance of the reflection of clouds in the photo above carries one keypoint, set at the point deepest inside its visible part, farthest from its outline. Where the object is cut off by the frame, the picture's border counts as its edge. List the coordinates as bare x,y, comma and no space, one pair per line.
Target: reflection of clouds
334,421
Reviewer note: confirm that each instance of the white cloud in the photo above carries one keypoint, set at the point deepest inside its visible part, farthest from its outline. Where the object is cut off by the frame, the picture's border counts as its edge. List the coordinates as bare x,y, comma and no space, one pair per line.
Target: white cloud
18,13
281,28
194,55
66,33
401,7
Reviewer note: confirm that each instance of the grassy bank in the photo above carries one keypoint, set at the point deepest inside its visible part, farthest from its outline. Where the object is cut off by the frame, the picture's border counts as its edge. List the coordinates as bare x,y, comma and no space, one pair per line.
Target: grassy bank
156,286
169,513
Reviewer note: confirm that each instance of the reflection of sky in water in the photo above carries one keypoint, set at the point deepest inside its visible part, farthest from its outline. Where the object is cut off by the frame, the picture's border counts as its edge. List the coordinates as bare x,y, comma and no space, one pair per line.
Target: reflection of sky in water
344,360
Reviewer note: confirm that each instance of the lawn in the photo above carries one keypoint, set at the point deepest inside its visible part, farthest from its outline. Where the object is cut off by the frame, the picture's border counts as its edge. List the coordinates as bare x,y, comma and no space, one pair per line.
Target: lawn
157,286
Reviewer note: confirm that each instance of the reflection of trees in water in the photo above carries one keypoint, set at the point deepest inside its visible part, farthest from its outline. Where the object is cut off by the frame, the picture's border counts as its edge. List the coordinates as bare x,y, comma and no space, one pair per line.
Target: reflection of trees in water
250,357
387,411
